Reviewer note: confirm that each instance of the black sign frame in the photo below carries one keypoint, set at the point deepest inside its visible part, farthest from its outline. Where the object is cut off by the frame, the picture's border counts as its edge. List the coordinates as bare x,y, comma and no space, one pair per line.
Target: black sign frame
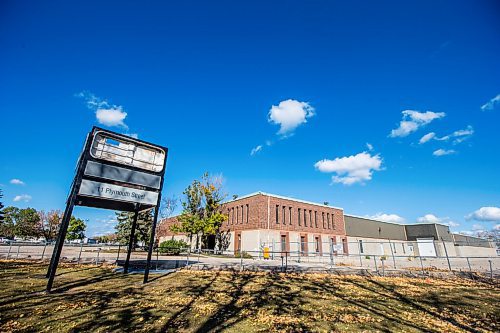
74,198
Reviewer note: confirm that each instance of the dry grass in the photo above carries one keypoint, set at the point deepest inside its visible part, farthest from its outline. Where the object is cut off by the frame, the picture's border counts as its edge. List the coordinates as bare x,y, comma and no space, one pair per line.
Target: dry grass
93,299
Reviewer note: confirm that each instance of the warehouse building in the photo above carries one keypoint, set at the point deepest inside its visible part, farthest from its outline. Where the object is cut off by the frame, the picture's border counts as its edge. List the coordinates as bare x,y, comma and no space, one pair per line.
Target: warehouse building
266,222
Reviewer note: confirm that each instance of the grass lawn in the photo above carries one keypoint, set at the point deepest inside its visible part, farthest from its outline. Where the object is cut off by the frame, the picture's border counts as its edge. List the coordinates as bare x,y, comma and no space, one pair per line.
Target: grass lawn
93,299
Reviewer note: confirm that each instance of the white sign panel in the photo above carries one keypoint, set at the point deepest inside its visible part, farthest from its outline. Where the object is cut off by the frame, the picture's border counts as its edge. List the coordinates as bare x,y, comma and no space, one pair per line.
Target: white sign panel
119,193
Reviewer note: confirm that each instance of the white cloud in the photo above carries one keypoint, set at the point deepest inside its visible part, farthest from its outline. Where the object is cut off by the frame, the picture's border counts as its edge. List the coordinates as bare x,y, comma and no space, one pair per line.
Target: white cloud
413,120
387,217
106,114
496,227
132,135
22,197
442,152
427,137
16,181
431,218
491,104
369,146
256,150
351,169
289,115
485,214
112,116
459,136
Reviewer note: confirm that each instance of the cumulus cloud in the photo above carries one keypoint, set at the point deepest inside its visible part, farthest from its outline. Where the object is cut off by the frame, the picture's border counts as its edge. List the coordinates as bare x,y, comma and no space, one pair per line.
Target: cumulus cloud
106,114
431,218
16,181
387,217
427,137
491,104
443,152
351,169
413,120
490,214
255,150
22,197
289,115
458,136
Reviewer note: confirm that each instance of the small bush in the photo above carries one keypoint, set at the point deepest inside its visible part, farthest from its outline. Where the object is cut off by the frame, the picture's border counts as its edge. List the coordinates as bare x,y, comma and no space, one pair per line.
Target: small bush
367,257
172,246
243,254
383,258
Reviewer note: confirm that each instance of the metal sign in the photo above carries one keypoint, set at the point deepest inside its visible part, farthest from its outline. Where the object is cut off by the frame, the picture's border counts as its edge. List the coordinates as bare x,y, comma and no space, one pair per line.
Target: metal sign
117,193
115,171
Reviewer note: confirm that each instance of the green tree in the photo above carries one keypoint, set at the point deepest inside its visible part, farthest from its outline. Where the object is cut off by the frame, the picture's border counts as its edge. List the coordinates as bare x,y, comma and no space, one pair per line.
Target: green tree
201,216
142,231
76,229
27,223
9,220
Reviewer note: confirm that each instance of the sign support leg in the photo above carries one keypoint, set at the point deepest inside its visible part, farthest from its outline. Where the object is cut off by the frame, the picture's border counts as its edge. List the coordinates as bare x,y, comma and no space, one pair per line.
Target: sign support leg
152,240
130,242
59,243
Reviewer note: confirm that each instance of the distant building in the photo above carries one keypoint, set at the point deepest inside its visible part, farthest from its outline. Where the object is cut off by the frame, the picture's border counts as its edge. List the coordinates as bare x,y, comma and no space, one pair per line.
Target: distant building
281,224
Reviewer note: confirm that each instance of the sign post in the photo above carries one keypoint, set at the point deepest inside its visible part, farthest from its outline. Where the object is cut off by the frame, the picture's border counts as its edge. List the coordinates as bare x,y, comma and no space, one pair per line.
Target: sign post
115,172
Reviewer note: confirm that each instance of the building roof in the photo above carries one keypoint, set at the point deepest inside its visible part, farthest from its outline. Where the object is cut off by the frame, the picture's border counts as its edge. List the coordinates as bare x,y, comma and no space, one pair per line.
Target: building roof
283,197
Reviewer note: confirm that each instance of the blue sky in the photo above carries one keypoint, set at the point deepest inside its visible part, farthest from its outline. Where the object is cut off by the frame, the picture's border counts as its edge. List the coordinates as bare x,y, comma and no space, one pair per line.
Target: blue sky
311,82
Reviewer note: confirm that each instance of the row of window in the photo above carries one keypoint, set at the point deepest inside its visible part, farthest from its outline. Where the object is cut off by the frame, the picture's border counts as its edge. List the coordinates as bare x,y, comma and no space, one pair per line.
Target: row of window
233,216
304,216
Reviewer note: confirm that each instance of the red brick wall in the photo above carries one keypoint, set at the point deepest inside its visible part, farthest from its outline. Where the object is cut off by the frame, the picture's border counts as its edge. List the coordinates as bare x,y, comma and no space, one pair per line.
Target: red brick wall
258,216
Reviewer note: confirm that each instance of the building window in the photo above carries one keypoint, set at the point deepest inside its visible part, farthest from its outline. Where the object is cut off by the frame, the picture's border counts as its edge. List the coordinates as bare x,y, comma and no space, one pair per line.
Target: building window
361,246
298,216
316,219
242,214
328,219
305,218
323,218
333,222
316,244
228,215
290,214
247,213
310,218
302,244
283,243
237,214
232,215
277,212
283,213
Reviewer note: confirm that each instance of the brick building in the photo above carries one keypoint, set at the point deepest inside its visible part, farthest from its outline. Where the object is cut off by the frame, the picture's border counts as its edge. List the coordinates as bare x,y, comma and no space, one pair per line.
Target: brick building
260,220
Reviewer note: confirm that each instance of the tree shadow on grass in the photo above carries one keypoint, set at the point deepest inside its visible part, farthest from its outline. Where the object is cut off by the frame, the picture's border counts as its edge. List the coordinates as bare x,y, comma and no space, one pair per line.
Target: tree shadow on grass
434,300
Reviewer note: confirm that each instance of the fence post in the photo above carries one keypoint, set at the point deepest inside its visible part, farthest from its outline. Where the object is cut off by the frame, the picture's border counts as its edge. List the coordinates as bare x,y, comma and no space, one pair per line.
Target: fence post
286,261
199,253
375,261
80,254
157,253
97,258
8,253
241,260
491,269
43,252
17,254
446,253
468,263
421,265
359,253
187,256
383,267
392,252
